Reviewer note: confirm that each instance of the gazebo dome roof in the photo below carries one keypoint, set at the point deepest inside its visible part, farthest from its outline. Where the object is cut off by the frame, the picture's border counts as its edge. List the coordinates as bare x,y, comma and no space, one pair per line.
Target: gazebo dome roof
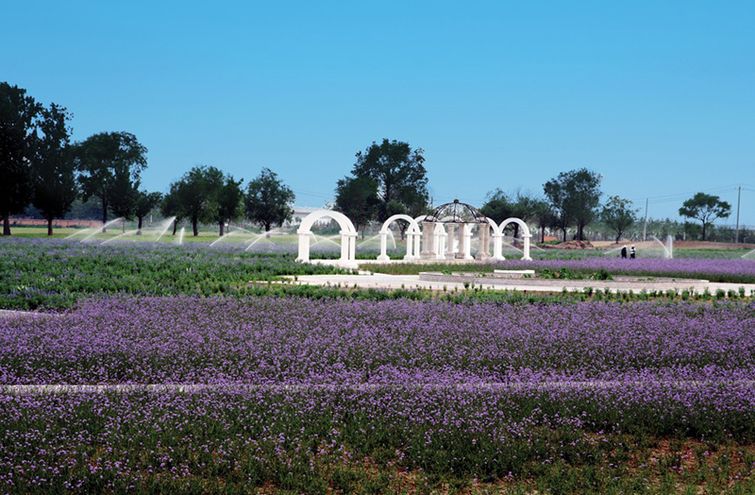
457,212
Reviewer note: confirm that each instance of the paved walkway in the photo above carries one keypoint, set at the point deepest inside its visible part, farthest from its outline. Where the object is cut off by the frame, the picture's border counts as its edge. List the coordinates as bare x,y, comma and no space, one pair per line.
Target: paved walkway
383,281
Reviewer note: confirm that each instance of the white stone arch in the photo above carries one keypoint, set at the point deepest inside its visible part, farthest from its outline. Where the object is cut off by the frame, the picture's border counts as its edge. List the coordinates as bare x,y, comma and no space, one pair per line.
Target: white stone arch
525,236
412,237
483,234
348,236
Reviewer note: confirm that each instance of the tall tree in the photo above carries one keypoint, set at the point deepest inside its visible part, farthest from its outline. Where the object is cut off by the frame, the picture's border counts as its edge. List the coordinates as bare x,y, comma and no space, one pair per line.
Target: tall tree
357,198
196,193
399,172
706,208
18,113
145,203
171,205
111,164
575,196
497,206
545,215
619,215
229,200
268,201
523,207
53,167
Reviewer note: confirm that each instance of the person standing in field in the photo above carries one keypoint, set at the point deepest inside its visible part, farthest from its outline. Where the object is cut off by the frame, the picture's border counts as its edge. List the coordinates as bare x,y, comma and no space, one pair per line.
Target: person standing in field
632,252
624,252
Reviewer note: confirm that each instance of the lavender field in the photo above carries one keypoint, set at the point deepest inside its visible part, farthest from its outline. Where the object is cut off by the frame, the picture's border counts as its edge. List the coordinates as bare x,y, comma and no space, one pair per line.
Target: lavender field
315,396
716,270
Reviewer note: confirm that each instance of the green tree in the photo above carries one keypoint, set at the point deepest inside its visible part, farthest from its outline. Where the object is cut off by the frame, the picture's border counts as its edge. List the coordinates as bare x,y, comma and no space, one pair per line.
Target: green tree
619,215
575,196
545,216
523,207
145,203
53,166
195,195
229,202
399,173
18,113
705,208
171,205
357,198
110,164
268,201
497,206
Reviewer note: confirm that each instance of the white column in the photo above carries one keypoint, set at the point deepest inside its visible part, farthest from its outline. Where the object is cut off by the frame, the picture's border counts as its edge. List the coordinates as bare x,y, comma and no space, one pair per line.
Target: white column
409,246
417,245
344,246
498,246
526,251
383,247
484,232
467,241
352,246
440,241
303,247
450,240
428,238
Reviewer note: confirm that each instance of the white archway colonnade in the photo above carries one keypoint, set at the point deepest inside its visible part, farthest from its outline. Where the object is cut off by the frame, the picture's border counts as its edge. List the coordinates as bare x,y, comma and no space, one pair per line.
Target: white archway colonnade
432,234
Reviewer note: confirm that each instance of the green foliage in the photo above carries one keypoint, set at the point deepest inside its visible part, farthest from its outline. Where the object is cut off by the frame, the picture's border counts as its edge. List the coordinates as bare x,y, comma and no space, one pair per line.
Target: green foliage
18,113
706,208
570,274
400,175
145,203
53,274
195,196
497,206
574,195
53,165
357,198
268,201
618,214
229,199
110,166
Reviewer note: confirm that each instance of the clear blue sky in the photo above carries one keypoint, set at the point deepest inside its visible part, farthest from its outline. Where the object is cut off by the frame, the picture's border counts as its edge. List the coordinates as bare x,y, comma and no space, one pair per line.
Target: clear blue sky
657,96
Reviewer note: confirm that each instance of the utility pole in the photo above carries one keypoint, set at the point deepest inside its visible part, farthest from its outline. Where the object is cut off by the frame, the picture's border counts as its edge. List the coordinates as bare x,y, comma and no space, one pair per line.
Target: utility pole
736,229
645,225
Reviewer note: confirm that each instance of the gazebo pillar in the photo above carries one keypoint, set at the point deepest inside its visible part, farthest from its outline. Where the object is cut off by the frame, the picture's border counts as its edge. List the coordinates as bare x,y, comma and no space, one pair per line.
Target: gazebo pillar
483,253
450,240
428,240
440,237
459,254
466,233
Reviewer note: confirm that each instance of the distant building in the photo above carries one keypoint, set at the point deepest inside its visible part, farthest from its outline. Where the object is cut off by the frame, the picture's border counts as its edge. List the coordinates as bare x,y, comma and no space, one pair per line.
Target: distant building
302,211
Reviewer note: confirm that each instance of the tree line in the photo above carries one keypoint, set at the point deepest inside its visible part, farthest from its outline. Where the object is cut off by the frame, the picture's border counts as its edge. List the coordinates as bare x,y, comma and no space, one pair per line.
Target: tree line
40,166
390,177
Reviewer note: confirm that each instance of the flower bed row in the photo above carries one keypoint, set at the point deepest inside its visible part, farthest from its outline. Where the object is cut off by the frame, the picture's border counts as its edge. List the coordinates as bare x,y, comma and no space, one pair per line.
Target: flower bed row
715,270
276,340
